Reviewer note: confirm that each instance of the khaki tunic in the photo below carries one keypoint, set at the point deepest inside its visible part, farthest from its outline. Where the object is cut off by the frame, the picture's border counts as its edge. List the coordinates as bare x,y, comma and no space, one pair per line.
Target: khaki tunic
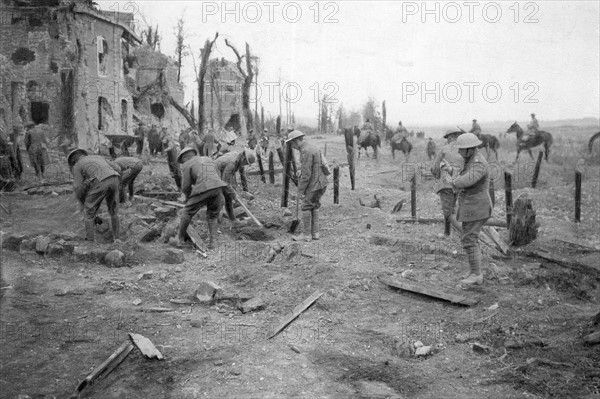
88,169
451,155
474,202
312,177
200,174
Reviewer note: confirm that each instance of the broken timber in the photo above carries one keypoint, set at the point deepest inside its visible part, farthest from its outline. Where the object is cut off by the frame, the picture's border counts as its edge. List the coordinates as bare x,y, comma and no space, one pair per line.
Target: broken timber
571,264
460,298
197,240
296,312
148,199
490,222
493,235
107,366
145,346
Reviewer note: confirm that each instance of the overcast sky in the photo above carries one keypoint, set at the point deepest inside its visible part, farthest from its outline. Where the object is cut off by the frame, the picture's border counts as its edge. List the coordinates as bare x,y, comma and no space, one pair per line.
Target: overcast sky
484,60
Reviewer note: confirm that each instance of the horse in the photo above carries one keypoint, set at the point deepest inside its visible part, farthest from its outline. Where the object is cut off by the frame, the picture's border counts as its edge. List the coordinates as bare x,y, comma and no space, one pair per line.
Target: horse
539,138
595,137
489,142
403,145
371,140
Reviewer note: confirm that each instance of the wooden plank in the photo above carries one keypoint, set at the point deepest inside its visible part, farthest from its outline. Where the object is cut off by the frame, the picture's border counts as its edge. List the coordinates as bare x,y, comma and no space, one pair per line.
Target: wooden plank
570,263
296,312
197,240
495,237
162,195
110,362
490,222
257,172
148,199
145,346
434,292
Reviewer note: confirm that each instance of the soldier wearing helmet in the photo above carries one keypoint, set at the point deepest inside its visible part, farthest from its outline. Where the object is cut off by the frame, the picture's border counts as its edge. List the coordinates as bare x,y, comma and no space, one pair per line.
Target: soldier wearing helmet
311,185
474,202
201,186
228,165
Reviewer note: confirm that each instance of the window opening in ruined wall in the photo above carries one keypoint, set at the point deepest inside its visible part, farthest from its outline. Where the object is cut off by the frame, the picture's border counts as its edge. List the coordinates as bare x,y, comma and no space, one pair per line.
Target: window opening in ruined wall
124,115
102,49
105,115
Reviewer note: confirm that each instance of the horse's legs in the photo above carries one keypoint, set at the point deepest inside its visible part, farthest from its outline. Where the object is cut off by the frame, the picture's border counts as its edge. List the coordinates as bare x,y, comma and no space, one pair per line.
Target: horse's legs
518,151
393,153
546,150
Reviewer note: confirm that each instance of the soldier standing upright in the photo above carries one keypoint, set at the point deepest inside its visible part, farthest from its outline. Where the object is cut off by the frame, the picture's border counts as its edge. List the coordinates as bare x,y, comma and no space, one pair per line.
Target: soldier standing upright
474,202
311,185
36,144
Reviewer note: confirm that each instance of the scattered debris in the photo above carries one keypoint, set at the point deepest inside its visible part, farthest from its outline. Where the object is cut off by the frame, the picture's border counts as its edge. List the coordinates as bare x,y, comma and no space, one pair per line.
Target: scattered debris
207,292
115,258
145,275
197,240
174,256
480,348
592,339
136,302
423,351
252,305
157,310
292,347
145,346
398,207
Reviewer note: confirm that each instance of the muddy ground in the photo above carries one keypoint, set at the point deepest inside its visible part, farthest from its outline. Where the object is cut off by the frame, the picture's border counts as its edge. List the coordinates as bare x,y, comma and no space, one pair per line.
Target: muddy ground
62,317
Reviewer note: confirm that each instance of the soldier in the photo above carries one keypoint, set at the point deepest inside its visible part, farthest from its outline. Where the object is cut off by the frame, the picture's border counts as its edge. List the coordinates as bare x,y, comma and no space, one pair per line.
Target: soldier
532,128
94,180
430,149
140,133
311,185
474,202
401,130
447,154
172,151
228,165
36,144
252,139
475,128
201,186
130,169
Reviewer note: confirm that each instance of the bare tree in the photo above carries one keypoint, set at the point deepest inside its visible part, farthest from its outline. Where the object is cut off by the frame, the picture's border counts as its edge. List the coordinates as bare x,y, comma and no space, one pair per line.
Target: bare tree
248,74
205,54
180,50
383,114
152,37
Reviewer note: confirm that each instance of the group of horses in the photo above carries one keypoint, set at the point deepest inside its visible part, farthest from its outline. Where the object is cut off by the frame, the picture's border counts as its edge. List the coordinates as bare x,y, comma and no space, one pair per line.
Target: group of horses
488,141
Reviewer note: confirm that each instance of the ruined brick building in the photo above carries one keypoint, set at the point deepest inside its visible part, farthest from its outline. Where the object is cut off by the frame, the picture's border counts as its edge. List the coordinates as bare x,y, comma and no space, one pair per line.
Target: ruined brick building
82,72
223,94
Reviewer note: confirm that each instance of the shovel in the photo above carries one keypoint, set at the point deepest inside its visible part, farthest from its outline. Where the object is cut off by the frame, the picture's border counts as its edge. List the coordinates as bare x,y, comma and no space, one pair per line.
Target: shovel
296,221
239,200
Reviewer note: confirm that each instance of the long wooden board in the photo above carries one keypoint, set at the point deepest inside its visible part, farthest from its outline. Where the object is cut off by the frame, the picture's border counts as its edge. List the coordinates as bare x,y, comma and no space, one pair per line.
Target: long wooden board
457,297
197,240
296,312
490,222
495,237
570,263
110,363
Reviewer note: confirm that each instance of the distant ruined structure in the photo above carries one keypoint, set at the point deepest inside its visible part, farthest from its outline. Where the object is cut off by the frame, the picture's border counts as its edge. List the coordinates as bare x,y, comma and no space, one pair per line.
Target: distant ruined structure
82,72
223,94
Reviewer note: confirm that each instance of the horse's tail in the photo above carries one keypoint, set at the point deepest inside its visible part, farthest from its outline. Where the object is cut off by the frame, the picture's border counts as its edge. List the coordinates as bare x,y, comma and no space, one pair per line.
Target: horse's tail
591,142
547,145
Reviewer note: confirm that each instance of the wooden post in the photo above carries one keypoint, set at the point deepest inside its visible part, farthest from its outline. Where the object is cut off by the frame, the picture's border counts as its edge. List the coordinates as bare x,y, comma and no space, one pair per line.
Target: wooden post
508,194
281,157
287,167
261,168
536,172
522,229
413,196
349,139
325,150
271,168
492,192
336,184
243,179
577,196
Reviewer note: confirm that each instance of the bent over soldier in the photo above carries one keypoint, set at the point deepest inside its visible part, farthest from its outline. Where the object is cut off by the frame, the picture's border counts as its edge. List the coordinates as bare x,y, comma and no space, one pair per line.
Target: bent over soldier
228,165
130,169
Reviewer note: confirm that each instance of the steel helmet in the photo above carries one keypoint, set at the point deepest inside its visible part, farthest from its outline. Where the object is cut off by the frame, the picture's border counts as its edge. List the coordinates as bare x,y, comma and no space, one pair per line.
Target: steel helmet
185,150
294,135
75,151
467,140
250,157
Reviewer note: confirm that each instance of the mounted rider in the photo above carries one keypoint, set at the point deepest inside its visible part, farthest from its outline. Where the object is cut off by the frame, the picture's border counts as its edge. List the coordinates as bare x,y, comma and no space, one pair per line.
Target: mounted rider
365,131
475,128
532,128
400,134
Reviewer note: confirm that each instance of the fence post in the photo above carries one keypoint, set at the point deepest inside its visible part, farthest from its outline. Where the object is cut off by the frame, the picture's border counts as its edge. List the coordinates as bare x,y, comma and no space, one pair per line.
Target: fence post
271,168
413,196
261,168
577,196
336,184
536,171
287,167
508,194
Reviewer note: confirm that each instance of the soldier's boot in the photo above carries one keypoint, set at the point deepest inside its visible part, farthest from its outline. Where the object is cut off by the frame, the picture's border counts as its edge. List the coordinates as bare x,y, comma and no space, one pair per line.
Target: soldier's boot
474,256
90,229
229,209
315,225
116,228
306,227
212,232
447,225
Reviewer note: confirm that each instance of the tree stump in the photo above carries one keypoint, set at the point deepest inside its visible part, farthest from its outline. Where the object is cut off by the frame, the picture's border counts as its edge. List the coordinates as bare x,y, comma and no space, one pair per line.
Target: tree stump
523,228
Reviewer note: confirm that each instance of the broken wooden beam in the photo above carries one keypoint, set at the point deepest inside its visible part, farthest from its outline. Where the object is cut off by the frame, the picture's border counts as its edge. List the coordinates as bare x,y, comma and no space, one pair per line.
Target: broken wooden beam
257,172
148,199
566,262
109,364
490,222
161,195
145,346
493,235
195,237
460,298
296,312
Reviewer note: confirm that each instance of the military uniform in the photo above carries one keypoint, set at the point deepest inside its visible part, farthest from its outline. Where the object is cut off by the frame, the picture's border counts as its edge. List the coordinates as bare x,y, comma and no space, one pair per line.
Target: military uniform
35,143
475,129
201,186
443,187
172,150
228,165
474,206
130,169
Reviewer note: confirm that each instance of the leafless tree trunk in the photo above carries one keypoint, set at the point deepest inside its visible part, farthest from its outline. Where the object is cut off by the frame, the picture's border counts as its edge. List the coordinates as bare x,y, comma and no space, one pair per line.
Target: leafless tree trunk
248,75
180,51
205,54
